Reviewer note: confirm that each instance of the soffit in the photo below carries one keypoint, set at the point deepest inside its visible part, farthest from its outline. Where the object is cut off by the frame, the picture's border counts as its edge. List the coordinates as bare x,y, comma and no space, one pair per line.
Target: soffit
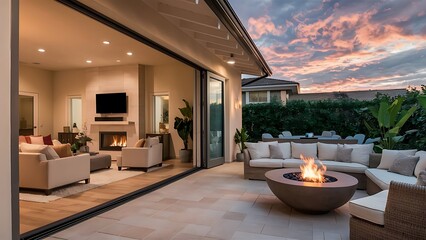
196,19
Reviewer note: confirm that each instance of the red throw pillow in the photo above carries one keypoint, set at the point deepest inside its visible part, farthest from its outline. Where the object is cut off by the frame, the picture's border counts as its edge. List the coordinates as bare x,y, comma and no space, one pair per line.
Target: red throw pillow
28,139
47,140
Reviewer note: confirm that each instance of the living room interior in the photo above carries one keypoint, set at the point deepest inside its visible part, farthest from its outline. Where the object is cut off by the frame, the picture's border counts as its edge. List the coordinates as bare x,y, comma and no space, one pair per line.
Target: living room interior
66,61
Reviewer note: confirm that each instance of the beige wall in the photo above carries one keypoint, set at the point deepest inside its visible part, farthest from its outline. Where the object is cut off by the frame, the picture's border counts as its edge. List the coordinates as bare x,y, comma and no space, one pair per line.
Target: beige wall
5,124
177,80
39,81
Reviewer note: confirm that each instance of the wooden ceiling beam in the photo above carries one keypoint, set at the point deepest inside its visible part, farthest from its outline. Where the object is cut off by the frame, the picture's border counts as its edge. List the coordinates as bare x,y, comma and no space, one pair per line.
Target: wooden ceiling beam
224,42
194,27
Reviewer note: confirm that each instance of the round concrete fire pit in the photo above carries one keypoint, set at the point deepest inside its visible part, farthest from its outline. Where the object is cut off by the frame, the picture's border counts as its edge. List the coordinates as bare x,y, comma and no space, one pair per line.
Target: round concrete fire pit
311,197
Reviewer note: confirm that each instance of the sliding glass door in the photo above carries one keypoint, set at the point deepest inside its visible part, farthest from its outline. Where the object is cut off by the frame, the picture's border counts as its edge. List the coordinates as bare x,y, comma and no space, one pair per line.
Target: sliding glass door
216,149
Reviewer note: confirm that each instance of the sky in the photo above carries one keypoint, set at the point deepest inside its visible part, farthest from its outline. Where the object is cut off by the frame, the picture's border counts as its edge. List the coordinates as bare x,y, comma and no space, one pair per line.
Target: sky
340,45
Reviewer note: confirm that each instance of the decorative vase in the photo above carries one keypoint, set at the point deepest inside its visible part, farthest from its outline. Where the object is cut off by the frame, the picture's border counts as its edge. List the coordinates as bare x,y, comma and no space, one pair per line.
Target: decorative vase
84,149
240,157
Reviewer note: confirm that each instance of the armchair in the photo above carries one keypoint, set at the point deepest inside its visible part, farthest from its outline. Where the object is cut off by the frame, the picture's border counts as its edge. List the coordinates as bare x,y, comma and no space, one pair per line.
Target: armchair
404,215
36,172
141,157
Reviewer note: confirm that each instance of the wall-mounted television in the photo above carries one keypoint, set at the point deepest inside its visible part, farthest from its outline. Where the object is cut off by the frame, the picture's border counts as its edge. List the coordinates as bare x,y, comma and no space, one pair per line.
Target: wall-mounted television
111,103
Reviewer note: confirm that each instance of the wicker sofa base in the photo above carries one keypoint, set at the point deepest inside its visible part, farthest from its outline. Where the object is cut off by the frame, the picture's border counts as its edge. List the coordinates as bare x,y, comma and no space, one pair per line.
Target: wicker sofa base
364,230
372,188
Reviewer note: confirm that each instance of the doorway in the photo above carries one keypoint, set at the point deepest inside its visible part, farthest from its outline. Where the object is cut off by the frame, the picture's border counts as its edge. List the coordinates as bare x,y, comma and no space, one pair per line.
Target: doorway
28,114
215,120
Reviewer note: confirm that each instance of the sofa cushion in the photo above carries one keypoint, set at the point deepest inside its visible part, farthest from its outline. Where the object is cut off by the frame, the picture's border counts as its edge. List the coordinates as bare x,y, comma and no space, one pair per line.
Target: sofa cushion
327,151
382,178
267,162
421,179
344,154
371,208
388,156
47,140
292,163
404,165
150,141
345,167
37,140
22,139
361,152
305,149
259,150
275,152
285,149
421,164
36,148
140,142
56,142
63,150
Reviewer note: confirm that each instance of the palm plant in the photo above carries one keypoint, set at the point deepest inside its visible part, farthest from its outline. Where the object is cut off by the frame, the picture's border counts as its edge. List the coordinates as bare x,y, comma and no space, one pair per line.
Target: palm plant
184,126
240,138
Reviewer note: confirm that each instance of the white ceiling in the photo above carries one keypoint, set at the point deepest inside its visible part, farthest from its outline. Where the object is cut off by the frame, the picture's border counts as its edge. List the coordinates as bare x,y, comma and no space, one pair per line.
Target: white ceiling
71,38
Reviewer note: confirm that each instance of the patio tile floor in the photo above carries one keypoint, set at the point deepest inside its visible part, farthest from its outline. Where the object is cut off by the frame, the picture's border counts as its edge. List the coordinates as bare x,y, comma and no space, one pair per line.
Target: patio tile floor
212,204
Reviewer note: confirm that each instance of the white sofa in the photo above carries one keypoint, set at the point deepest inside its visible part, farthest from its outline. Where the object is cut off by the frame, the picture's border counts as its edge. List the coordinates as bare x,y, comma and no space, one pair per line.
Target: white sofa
36,172
258,162
141,157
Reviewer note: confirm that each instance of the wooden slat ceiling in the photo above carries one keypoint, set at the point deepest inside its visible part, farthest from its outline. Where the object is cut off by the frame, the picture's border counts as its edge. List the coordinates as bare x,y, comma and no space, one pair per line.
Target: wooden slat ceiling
196,19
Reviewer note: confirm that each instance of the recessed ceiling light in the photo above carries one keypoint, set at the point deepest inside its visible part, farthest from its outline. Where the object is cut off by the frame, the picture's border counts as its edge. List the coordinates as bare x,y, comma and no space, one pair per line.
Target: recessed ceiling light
41,50
106,42
231,60
118,60
129,53
88,61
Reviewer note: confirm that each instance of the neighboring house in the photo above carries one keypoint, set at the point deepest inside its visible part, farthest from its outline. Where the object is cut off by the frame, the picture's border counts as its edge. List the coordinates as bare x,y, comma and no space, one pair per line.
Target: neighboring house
266,90
359,95
170,49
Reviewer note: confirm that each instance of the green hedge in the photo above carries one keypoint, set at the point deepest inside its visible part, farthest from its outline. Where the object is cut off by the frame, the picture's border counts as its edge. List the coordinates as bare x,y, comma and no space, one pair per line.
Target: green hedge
345,116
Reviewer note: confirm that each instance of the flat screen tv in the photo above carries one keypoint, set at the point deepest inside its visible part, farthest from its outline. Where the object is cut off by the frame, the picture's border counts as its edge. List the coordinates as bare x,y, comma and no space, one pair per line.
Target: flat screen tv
111,103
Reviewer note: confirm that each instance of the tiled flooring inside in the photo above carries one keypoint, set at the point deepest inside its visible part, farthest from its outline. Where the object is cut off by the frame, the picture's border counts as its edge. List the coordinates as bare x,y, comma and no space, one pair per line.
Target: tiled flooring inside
212,204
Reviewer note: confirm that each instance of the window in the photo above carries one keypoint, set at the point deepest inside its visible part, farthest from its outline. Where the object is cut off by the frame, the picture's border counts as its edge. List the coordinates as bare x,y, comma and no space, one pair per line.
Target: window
161,113
258,97
275,96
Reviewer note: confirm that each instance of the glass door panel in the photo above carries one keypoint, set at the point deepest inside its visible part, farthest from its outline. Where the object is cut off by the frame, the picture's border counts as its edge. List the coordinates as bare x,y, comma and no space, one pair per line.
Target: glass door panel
27,125
215,122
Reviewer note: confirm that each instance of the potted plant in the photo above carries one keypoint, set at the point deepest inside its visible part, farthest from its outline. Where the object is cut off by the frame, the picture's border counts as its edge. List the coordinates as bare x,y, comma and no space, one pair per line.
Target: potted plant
82,140
184,127
240,138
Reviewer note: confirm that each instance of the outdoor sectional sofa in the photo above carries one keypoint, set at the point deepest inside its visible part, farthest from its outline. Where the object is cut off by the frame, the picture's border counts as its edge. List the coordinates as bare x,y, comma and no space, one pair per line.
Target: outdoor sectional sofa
361,164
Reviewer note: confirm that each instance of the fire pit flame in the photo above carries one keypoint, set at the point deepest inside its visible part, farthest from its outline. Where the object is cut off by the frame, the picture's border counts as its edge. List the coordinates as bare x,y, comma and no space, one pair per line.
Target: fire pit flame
310,171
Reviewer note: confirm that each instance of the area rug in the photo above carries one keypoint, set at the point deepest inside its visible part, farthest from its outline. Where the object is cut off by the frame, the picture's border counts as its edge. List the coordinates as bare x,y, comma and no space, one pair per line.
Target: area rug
97,179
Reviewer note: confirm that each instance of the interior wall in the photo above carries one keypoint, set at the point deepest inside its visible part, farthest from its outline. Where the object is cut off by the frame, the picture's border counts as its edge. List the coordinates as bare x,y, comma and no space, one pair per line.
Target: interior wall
40,81
177,80
86,83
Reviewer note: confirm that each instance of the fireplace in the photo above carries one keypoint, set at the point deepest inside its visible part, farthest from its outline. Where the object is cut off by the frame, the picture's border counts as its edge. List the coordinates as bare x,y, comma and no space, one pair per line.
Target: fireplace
112,141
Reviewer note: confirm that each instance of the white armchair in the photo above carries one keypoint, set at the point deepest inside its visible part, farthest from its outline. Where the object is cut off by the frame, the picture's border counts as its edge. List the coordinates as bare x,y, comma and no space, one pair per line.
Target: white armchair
141,157
36,172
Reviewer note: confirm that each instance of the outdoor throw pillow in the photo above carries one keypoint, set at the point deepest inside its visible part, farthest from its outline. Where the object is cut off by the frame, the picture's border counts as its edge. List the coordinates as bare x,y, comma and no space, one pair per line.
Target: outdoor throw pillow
421,165
305,149
276,152
327,151
259,150
404,165
343,154
285,149
421,179
388,156
360,153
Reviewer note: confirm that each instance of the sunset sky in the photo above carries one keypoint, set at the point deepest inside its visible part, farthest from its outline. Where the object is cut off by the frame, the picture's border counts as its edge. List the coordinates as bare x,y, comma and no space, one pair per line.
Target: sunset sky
340,45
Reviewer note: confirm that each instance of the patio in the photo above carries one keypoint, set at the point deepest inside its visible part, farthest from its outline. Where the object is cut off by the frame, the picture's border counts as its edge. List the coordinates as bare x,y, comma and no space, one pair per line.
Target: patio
216,203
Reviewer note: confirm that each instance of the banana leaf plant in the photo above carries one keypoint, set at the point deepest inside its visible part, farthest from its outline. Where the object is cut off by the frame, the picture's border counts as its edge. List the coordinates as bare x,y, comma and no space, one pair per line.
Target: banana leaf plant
390,119
184,126
240,138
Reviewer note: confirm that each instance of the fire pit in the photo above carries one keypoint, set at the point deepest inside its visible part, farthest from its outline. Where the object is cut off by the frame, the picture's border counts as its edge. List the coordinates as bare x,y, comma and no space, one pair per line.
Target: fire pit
328,191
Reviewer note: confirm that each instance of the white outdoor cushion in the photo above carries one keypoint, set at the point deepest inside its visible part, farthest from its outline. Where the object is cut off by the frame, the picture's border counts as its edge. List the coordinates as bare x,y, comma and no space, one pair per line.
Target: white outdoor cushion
421,164
361,152
267,162
36,148
382,178
285,149
327,151
345,167
371,208
305,149
259,150
292,163
389,156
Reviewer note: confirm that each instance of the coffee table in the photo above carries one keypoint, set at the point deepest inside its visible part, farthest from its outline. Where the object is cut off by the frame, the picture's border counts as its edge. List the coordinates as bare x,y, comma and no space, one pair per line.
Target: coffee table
310,197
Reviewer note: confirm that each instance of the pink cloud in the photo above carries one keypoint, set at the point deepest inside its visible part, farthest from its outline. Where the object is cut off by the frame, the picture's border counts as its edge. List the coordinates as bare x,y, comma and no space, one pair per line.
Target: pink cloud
258,27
